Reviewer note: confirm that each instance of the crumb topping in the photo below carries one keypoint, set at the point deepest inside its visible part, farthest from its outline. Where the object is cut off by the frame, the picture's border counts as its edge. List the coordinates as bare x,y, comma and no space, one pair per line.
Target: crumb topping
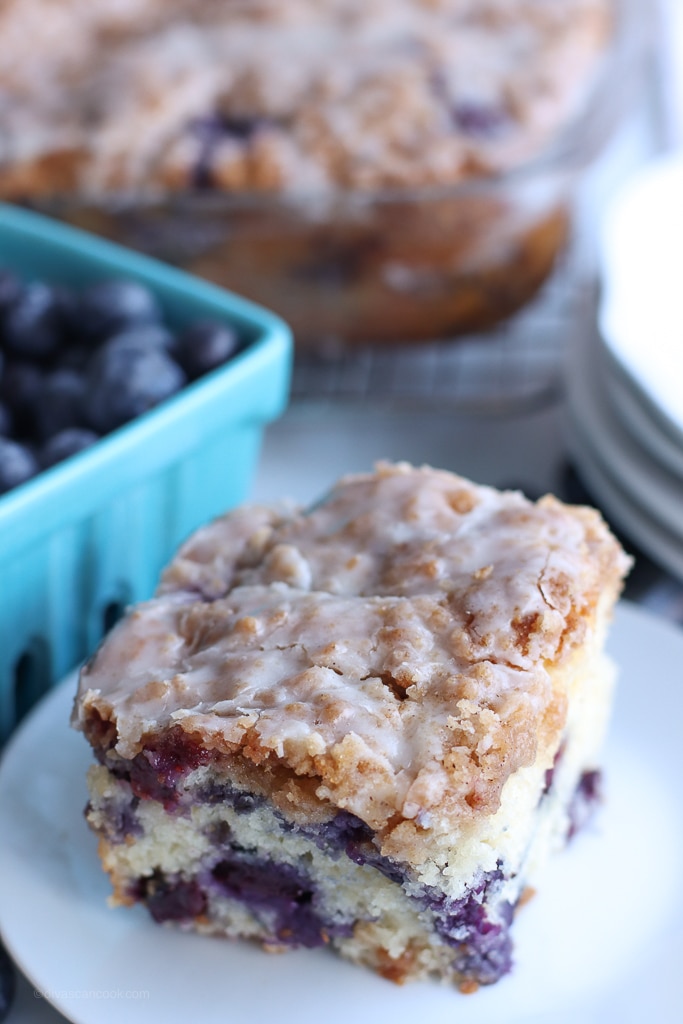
268,95
392,643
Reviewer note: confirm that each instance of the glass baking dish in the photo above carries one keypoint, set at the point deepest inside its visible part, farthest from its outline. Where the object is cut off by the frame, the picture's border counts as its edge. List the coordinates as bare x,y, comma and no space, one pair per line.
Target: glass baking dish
355,268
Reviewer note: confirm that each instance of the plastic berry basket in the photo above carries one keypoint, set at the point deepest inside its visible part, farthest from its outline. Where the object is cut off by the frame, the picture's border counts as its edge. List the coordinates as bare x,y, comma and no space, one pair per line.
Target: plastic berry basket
90,535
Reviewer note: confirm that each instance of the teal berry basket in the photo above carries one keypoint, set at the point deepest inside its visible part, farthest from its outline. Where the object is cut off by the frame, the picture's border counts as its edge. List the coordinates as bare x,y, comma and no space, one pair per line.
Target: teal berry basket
89,536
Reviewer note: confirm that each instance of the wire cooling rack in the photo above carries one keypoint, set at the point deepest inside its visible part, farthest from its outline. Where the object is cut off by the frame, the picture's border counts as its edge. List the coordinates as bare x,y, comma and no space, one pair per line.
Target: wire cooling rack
517,366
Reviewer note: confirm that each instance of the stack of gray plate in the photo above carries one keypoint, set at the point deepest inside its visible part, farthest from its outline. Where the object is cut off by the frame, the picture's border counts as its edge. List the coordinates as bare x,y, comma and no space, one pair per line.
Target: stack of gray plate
625,379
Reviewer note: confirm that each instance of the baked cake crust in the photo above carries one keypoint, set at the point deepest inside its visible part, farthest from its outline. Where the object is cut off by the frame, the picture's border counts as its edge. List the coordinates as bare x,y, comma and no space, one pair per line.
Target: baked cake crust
396,651
285,95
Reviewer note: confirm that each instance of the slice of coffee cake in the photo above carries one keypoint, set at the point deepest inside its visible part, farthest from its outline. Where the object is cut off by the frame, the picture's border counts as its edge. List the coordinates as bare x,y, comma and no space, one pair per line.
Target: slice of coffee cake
361,724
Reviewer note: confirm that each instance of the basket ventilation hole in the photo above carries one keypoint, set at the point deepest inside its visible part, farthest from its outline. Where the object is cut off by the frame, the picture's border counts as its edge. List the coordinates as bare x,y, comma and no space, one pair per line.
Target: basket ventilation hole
111,615
31,679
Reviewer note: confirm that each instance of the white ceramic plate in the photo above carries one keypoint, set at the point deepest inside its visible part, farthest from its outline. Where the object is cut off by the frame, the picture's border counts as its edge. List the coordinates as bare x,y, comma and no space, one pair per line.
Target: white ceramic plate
663,547
641,420
641,312
648,484
602,942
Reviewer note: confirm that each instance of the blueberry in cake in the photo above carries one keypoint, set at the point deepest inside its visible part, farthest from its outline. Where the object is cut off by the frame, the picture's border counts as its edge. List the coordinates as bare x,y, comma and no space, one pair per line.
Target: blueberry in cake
362,724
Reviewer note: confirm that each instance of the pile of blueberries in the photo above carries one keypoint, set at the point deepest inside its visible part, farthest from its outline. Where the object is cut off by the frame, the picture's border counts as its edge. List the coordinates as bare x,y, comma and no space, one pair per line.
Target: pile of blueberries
75,365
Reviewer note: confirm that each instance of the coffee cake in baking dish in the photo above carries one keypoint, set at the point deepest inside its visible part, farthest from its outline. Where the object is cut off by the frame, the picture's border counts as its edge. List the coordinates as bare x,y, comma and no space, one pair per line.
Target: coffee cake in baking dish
361,724
137,98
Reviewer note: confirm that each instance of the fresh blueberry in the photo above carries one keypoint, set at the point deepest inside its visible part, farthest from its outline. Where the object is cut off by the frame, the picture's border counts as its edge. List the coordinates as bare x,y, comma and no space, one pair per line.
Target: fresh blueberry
6,424
65,444
204,346
59,403
111,306
143,337
7,984
20,387
10,290
34,324
75,357
68,302
17,464
125,382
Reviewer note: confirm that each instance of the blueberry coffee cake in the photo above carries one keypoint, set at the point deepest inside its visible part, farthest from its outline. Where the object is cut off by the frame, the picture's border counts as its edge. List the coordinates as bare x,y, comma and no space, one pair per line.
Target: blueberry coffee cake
363,724
178,94
324,143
